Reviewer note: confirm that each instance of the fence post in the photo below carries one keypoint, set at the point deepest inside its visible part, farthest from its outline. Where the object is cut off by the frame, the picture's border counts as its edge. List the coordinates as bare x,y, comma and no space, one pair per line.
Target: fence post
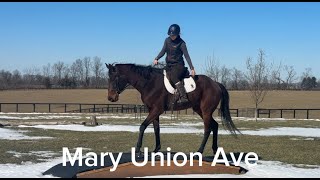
0,108
140,112
294,113
237,112
258,112
65,107
17,107
307,113
269,113
135,111
94,107
49,108
34,107
80,107
281,113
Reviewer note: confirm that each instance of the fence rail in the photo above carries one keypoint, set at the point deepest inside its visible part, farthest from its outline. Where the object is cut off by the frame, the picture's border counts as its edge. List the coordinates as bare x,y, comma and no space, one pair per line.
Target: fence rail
135,108
293,111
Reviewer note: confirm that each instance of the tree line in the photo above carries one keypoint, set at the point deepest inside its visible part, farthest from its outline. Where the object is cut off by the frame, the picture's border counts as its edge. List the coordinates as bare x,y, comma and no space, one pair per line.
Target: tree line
272,76
91,73
82,73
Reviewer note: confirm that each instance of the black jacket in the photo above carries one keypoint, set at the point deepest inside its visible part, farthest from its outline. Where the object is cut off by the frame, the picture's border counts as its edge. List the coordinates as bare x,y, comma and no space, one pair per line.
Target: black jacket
175,49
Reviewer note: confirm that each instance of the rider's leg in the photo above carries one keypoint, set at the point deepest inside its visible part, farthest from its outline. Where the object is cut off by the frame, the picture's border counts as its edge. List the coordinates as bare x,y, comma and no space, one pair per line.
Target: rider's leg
176,78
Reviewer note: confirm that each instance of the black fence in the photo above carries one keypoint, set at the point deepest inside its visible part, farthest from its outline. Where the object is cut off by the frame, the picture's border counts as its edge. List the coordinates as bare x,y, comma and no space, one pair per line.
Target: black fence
306,113
87,108
140,109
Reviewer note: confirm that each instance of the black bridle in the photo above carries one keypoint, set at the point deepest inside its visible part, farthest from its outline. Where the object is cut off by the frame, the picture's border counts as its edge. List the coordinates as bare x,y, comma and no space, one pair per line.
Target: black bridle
116,85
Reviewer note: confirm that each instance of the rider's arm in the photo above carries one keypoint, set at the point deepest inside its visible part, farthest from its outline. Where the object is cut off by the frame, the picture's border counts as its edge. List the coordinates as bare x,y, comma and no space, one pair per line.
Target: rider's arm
186,55
162,52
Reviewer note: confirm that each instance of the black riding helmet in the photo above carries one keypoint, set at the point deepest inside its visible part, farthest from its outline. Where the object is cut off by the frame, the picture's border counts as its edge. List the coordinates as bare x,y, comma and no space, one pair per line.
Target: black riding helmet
174,29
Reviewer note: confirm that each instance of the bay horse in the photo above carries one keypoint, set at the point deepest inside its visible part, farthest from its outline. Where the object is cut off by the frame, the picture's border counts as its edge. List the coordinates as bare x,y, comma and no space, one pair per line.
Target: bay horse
149,81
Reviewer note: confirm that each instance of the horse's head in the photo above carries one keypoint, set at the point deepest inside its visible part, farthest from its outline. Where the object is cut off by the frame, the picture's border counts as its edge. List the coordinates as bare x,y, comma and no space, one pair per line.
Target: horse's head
117,83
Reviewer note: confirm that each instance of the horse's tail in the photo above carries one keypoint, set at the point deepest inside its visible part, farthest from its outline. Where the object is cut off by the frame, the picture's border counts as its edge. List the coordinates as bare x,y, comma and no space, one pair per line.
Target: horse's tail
225,112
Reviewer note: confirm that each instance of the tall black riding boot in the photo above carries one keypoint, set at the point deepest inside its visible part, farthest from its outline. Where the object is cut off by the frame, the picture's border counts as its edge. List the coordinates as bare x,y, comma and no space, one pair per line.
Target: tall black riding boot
182,93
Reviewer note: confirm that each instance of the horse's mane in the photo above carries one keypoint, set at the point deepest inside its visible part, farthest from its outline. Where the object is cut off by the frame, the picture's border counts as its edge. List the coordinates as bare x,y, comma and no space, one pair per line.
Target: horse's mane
145,71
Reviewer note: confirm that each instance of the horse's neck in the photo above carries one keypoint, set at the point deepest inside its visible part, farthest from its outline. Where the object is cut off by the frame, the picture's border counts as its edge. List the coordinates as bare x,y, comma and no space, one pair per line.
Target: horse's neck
137,81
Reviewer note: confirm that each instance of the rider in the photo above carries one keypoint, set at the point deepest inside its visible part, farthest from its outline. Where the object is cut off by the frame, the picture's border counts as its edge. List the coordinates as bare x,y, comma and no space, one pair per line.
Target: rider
175,47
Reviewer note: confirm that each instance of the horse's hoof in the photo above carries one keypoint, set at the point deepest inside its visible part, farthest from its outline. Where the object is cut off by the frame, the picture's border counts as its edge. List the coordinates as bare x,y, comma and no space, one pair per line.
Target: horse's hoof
139,154
157,149
200,151
214,153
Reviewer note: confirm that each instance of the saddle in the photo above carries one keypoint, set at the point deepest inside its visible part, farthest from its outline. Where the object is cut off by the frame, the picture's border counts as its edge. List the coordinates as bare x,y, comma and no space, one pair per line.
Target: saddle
188,81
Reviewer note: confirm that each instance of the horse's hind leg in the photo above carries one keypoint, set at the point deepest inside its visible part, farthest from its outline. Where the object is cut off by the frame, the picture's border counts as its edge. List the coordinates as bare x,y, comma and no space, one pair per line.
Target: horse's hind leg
156,128
214,127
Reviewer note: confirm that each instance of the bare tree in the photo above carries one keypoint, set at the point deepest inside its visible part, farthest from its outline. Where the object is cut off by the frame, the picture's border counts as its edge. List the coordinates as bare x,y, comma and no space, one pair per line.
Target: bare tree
307,73
87,68
308,81
31,77
74,73
236,77
97,70
16,79
291,76
5,79
57,69
79,67
225,75
66,80
212,68
46,72
257,76
276,81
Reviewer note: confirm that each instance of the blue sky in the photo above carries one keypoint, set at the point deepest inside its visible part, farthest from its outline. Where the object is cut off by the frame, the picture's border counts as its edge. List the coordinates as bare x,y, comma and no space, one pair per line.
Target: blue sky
34,34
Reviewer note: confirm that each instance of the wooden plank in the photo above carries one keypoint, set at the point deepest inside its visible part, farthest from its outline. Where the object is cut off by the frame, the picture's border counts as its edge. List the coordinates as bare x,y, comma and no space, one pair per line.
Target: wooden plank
130,170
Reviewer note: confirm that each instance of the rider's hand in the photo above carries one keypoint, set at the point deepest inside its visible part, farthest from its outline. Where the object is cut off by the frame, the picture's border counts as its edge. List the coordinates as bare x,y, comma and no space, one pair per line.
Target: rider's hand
193,73
155,62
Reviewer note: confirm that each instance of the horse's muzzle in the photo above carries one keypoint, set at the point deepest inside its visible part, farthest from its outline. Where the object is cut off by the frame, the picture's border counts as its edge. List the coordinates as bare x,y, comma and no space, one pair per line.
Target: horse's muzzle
113,98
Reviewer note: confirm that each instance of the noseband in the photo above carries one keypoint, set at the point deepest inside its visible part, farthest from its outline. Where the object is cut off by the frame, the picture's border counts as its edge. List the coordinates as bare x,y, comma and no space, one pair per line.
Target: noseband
117,86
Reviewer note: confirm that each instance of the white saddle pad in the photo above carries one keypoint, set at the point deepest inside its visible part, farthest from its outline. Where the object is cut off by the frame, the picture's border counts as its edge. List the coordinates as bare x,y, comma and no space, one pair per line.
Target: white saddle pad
189,84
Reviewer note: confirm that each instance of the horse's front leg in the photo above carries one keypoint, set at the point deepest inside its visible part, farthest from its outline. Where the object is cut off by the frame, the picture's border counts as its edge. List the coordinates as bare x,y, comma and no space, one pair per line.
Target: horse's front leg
153,114
207,131
156,127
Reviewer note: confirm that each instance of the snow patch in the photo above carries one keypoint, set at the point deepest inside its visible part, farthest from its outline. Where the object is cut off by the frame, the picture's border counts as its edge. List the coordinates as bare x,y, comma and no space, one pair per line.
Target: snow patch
11,134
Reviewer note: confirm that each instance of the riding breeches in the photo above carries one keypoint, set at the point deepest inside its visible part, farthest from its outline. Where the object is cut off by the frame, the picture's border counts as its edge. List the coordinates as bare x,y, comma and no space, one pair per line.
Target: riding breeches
175,72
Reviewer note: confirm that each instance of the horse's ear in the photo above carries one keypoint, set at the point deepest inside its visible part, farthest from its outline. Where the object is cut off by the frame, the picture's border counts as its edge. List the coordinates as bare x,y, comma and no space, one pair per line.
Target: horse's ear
110,67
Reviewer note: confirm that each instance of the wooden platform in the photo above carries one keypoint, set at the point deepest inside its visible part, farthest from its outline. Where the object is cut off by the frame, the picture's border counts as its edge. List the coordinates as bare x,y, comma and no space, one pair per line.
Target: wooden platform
130,170
127,169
